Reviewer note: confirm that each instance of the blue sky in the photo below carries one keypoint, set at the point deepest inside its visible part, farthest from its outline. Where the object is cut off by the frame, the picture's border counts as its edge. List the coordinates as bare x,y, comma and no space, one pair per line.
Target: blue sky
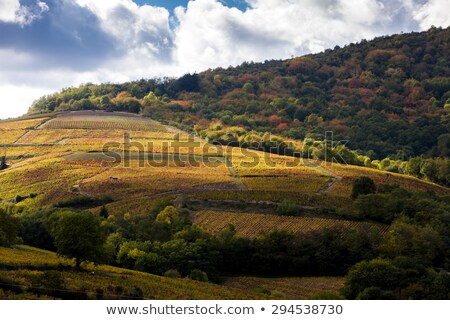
240,4
46,45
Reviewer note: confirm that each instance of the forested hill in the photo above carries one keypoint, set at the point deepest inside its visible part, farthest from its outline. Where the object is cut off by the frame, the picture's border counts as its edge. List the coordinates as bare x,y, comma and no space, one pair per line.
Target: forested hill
388,97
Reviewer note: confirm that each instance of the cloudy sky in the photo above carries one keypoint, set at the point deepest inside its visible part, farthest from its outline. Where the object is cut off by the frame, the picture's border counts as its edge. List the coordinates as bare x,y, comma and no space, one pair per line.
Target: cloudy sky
46,45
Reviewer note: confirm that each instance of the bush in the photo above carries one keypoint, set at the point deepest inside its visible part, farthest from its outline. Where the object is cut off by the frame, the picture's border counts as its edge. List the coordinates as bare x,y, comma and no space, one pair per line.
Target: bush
375,293
199,275
172,273
362,186
9,228
83,202
367,275
288,208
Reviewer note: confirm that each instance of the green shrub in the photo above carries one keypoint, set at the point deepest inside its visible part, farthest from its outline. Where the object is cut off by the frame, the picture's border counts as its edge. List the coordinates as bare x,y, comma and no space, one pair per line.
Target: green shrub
172,273
199,275
362,186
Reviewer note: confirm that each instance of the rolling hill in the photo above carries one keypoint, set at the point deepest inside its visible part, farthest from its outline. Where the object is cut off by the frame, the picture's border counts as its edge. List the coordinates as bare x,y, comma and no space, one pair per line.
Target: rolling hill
389,97
185,183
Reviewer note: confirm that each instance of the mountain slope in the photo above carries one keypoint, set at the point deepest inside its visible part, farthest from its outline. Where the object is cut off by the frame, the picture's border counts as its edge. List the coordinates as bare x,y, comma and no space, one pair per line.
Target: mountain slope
388,97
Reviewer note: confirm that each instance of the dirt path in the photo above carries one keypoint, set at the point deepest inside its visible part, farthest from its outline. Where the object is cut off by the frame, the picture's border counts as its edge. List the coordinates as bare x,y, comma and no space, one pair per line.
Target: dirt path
22,137
333,178
236,178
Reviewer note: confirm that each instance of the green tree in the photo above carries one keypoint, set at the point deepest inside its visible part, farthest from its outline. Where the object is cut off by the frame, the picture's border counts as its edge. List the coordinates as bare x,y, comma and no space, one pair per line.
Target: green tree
9,228
168,215
104,212
199,275
377,273
363,185
248,88
79,235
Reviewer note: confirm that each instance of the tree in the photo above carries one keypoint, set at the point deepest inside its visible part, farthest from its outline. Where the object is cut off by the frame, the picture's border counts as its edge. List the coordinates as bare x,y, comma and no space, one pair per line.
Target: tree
199,275
9,228
79,236
377,273
104,212
363,185
168,215
188,83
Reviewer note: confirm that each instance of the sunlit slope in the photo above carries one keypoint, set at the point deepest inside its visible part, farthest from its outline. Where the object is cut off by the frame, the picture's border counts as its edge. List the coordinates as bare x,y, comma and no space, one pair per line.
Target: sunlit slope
61,156
22,270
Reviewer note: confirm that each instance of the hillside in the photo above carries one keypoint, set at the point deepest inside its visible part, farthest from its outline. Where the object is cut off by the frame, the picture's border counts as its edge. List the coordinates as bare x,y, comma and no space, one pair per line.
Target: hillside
31,273
257,224
389,97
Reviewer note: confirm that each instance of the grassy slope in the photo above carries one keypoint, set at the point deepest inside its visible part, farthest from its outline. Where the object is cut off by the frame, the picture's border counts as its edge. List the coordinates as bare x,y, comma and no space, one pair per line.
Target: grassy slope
22,264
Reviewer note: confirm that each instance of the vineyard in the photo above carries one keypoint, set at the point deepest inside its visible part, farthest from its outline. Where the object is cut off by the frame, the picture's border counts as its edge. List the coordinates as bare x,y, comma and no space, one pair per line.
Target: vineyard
21,124
350,173
286,288
50,156
103,121
10,136
135,182
293,183
44,136
250,225
49,180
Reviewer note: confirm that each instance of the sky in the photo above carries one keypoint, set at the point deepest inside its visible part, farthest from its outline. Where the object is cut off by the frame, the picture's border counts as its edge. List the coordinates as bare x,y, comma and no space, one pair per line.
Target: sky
47,45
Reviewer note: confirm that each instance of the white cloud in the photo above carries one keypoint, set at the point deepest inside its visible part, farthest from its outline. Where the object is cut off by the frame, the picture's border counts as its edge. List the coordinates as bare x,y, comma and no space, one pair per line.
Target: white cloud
8,9
132,25
27,14
434,12
210,34
12,11
118,40
15,100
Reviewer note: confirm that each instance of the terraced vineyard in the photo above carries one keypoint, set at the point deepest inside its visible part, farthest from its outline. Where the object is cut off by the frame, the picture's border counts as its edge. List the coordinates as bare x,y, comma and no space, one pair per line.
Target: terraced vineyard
293,183
350,173
250,225
11,136
21,124
104,121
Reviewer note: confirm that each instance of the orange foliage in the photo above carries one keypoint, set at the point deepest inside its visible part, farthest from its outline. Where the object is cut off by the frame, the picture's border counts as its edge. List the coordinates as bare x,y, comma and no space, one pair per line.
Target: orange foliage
274,119
282,126
248,77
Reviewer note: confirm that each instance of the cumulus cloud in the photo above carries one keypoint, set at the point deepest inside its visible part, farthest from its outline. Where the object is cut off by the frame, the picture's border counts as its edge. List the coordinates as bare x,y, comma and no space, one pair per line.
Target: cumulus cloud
434,12
8,9
210,34
49,44
22,13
